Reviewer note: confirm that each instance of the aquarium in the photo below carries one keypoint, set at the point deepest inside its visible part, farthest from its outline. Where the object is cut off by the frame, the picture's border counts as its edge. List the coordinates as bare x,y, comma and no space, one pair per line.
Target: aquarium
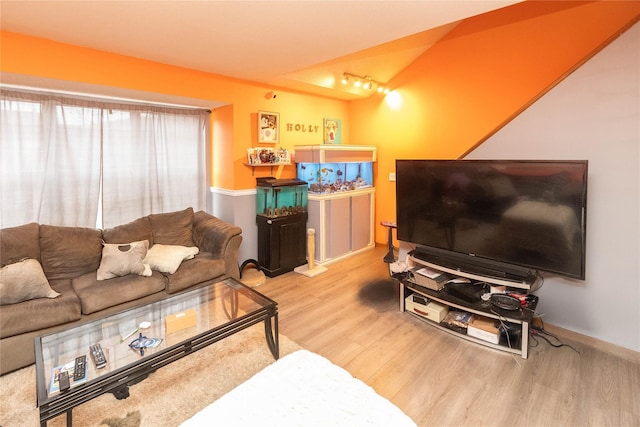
326,178
280,197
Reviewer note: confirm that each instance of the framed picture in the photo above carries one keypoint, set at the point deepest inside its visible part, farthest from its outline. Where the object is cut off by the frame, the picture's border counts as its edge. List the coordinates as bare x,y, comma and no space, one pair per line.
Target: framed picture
268,127
332,131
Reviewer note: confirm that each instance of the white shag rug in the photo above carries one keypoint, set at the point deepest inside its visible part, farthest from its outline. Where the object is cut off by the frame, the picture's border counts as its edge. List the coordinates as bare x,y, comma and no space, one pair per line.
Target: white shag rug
301,389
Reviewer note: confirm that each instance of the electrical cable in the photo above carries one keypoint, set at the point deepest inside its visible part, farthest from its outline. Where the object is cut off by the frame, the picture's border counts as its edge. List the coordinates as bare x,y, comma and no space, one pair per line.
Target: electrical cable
506,333
541,332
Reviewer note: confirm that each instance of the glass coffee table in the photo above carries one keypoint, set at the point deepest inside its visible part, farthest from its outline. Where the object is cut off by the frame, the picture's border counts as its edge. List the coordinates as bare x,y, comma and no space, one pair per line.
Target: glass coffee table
137,342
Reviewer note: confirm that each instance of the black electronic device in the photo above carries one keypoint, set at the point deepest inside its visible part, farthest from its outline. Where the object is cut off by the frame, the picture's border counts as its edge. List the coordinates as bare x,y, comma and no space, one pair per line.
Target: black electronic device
80,367
505,302
465,291
98,356
501,218
63,381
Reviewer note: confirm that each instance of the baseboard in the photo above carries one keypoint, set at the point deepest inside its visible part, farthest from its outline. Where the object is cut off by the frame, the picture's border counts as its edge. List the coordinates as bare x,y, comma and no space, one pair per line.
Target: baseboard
613,349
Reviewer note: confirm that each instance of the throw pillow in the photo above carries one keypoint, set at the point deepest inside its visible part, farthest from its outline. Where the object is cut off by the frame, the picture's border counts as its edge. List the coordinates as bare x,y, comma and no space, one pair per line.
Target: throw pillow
22,281
122,259
167,258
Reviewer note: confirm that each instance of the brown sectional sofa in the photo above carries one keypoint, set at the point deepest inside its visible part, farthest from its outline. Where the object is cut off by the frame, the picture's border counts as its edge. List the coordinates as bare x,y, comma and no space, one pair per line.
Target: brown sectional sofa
71,256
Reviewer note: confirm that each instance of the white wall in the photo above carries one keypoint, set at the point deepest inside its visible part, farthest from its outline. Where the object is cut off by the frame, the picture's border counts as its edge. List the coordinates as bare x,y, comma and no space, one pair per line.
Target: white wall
238,208
593,114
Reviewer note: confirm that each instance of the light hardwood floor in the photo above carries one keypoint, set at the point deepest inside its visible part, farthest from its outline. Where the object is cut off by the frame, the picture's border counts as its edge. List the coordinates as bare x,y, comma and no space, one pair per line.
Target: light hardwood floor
350,315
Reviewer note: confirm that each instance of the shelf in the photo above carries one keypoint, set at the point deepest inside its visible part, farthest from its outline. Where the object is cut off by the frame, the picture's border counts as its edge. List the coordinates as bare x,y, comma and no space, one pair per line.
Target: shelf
482,308
271,165
469,275
520,319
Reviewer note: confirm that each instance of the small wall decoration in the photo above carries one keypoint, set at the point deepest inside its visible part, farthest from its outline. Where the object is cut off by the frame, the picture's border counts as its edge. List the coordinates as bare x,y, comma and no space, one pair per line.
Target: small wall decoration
332,131
267,156
268,127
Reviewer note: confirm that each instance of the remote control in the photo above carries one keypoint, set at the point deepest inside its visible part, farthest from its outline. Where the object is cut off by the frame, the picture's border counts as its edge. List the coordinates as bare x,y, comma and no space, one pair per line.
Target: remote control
98,356
63,381
80,367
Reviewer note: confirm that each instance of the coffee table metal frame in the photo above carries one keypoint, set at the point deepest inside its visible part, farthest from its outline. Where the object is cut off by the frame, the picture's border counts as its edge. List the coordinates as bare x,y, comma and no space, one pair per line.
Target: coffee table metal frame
117,381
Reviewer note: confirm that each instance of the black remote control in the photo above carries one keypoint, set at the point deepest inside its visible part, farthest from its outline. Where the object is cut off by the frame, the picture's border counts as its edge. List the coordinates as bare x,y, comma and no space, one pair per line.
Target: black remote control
63,381
98,356
80,367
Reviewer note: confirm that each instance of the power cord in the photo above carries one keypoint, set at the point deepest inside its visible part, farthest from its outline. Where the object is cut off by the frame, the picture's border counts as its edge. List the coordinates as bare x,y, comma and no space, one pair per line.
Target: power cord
539,331
506,333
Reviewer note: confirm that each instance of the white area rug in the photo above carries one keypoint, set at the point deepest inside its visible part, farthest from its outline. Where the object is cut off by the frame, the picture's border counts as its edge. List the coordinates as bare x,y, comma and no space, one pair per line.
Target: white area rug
301,389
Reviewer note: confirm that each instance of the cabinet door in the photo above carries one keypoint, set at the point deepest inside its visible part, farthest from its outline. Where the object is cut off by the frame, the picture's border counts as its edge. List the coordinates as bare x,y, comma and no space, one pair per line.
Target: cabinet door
338,220
360,222
293,245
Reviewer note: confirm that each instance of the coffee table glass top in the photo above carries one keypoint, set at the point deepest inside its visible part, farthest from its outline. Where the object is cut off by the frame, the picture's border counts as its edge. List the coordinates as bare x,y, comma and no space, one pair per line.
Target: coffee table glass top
159,326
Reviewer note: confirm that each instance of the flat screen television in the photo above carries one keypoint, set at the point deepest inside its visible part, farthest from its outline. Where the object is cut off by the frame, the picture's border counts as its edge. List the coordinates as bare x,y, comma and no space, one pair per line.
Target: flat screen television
502,218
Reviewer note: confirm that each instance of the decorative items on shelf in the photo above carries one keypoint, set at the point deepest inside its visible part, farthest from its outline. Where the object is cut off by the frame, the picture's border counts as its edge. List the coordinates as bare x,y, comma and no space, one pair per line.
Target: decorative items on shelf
268,156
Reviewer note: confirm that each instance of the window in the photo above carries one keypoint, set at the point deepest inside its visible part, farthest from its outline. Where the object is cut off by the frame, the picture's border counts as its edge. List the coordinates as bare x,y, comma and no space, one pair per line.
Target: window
83,162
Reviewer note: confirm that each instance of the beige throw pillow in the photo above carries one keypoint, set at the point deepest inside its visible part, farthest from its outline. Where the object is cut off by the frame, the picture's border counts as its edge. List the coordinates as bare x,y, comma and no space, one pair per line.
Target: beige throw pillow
22,281
123,259
167,258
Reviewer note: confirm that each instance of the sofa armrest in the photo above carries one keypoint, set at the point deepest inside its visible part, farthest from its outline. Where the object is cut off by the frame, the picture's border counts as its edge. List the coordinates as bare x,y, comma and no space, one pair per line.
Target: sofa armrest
219,238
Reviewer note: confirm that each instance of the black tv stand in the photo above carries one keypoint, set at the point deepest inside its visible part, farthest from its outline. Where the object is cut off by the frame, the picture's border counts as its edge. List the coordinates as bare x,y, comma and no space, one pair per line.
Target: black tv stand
514,324
507,276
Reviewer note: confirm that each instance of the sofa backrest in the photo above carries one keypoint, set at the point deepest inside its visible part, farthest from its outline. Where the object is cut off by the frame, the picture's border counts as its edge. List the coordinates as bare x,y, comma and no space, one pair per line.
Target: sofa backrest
17,243
133,231
68,252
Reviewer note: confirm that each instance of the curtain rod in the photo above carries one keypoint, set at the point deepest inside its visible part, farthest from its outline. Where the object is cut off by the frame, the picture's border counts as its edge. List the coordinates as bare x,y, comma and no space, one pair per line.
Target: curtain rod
99,97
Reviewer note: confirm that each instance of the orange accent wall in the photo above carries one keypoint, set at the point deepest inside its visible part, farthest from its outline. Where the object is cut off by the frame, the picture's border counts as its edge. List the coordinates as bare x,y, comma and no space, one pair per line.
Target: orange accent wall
457,94
235,124
477,78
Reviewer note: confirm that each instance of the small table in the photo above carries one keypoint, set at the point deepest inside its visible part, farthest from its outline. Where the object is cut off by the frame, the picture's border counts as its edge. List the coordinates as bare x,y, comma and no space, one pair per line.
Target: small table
204,316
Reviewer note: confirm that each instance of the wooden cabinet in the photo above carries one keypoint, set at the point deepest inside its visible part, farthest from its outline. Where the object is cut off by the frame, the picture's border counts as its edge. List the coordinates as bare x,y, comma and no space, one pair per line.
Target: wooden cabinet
281,243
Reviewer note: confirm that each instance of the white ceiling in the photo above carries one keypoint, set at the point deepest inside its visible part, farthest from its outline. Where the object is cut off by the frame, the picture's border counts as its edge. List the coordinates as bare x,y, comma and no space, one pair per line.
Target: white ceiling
298,45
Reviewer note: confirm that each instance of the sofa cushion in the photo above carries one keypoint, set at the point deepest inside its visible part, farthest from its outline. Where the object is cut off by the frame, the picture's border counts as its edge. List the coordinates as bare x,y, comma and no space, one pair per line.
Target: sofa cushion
167,258
22,281
19,318
191,272
96,295
173,228
120,259
68,252
134,231
19,242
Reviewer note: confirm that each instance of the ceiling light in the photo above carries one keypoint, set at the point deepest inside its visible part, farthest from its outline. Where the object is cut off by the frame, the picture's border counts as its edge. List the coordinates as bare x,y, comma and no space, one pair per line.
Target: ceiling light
366,82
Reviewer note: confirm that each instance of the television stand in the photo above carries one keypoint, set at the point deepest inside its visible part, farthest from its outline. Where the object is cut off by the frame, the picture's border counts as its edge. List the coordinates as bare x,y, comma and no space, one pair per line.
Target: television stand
477,273
505,330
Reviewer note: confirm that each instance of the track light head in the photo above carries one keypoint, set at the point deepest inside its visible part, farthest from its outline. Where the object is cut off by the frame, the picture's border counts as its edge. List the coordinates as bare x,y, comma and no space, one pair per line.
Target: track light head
366,82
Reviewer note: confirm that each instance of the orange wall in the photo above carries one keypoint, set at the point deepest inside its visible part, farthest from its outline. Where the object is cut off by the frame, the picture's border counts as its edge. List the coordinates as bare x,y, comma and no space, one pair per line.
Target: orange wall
477,78
456,95
237,127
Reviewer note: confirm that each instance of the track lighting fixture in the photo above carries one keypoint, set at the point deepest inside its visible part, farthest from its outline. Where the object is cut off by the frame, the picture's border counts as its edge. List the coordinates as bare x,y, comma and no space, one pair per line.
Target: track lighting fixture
366,82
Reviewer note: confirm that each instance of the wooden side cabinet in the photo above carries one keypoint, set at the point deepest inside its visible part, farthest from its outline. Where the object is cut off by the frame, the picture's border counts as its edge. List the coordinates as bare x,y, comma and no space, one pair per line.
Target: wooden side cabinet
282,243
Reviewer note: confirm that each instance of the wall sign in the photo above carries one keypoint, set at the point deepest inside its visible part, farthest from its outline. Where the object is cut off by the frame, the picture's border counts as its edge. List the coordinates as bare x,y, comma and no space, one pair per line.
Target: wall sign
301,127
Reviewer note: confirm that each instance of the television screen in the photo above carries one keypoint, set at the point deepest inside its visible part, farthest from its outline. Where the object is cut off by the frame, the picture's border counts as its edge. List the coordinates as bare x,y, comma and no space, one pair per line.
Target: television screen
526,214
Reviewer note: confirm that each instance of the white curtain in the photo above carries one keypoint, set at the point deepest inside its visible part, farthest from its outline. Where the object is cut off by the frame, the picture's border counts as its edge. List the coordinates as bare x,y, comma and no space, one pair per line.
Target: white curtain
164,169
83,162
50,160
